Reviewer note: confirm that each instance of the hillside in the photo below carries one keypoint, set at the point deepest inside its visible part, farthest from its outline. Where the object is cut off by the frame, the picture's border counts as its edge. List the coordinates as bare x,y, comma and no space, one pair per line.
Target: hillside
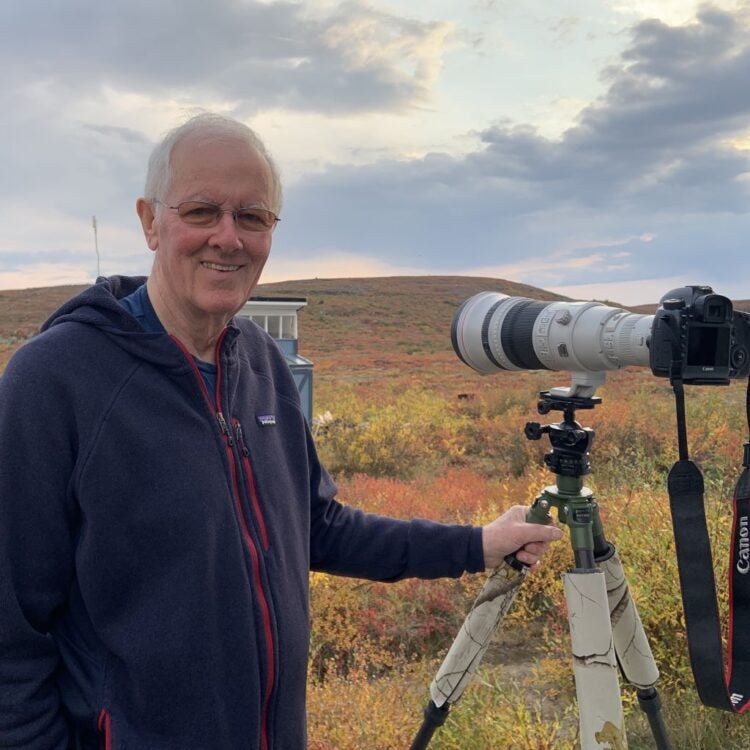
356,324
22,311
359,326
415,433
384,316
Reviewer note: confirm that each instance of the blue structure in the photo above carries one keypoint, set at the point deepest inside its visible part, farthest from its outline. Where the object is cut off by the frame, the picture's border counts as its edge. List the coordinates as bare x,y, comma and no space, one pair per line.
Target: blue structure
278,317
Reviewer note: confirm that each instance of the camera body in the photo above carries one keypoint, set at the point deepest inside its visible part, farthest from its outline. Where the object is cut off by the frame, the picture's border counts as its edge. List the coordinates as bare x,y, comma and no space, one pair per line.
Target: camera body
698,336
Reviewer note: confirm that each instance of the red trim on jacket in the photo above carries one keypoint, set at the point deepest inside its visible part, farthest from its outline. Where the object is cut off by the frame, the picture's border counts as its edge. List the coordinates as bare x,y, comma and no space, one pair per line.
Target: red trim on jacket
104,725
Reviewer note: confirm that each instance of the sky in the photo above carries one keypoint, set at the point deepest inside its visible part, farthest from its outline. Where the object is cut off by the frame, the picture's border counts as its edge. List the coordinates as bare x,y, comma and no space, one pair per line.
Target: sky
598,149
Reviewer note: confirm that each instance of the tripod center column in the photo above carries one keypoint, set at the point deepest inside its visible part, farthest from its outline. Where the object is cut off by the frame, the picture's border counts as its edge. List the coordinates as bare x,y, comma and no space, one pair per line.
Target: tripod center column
577,510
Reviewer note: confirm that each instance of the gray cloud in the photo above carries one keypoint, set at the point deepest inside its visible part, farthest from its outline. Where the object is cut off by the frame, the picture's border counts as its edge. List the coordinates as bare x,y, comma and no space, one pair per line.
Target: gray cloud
19,261
652,155
61,61
70,166
352,58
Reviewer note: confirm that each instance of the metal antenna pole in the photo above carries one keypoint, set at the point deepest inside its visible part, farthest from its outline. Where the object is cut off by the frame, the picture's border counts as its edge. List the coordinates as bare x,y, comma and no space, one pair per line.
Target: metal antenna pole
96,246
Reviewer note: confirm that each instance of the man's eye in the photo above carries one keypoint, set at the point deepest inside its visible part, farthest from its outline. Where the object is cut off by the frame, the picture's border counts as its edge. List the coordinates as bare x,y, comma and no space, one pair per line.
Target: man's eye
202,212
199,214
252,218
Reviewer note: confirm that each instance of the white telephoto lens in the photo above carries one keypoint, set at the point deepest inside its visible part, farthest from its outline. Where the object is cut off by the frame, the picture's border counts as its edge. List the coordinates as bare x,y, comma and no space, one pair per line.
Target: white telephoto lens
492,331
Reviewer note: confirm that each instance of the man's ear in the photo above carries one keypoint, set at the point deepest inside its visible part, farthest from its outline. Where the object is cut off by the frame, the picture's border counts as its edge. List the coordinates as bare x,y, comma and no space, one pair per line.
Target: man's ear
146,215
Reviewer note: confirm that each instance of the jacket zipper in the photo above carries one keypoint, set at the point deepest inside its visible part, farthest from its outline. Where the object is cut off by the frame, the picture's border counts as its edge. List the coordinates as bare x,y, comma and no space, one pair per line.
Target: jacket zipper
249,478
265,611
245,530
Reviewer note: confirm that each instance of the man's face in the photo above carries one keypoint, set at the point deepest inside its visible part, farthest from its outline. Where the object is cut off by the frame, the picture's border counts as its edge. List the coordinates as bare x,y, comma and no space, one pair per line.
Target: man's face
207,273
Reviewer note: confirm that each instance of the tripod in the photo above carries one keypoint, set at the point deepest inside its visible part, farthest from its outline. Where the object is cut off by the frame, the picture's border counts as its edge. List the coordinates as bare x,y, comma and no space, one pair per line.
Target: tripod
605,628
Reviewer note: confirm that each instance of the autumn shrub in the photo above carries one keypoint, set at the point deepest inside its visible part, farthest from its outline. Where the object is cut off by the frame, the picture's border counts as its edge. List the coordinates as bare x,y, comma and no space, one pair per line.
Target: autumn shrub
368,628
339,643
453,495
496,445
386,714
360,625
355,712
513,709
412,433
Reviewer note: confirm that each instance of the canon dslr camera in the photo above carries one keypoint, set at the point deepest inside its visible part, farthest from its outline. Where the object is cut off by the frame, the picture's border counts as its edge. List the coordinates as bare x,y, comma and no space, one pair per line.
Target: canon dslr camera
697,336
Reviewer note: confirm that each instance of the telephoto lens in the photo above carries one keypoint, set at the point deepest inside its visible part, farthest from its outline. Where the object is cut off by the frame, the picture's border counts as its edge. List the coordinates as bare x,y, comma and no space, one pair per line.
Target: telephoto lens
492,331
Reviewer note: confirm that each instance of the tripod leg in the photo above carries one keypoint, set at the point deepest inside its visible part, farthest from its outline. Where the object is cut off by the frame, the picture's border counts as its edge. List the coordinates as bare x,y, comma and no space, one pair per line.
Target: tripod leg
631,645
594,667
460,664
485,617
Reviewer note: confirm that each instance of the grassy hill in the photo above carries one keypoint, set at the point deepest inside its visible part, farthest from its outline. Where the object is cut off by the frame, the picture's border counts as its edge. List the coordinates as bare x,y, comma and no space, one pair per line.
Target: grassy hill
371,301
353,325
358,327
22,311
383,317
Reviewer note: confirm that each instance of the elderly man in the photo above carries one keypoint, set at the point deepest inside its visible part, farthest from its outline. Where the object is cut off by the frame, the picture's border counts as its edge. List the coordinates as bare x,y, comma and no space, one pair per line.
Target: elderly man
161,500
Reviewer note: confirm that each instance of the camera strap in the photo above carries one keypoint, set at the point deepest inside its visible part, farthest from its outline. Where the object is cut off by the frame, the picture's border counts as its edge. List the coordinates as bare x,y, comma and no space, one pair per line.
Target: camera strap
725,688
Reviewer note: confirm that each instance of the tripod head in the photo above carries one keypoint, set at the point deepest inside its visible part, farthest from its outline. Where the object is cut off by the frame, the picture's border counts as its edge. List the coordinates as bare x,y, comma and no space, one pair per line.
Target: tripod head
570,442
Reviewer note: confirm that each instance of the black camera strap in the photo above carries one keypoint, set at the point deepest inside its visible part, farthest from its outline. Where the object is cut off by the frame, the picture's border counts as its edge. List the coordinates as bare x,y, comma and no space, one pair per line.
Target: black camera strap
725,688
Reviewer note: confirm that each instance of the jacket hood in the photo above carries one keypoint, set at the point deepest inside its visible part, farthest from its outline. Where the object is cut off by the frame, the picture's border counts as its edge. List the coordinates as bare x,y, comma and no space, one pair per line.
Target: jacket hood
99,307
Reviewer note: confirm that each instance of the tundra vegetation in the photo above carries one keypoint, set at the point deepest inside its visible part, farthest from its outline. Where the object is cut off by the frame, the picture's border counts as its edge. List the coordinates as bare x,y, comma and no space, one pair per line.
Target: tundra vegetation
411,431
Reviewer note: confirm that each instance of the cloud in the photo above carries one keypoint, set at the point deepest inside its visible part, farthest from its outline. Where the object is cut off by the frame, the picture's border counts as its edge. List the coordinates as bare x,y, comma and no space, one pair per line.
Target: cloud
88,87
641,292
44,274
345,59
675,12
335,264
655,156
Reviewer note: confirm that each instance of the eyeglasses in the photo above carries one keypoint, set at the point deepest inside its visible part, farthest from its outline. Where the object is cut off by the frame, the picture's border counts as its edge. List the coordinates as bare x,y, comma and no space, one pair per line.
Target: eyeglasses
203,214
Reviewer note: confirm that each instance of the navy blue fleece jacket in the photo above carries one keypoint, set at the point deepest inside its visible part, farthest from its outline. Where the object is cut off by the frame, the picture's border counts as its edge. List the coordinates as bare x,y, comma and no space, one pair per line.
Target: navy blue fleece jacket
155,548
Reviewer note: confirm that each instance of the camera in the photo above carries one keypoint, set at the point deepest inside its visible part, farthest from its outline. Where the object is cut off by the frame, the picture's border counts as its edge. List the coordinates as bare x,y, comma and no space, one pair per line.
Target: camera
695,335
699,335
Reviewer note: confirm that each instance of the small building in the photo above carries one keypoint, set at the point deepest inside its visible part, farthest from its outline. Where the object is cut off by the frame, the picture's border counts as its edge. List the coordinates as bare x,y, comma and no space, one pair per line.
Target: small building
278,317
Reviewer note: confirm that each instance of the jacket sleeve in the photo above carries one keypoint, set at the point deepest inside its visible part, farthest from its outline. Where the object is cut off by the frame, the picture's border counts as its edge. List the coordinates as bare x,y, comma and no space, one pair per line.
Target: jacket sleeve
37,522
346,541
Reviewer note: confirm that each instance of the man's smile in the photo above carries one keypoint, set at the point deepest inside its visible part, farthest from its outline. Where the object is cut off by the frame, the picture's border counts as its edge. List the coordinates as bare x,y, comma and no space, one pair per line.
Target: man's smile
218,266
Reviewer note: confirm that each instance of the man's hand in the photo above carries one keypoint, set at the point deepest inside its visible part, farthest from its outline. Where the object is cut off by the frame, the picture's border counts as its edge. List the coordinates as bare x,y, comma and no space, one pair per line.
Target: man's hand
511,533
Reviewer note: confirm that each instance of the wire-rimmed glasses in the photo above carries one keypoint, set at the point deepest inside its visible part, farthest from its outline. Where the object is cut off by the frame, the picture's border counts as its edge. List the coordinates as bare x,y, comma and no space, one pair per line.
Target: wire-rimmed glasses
205,214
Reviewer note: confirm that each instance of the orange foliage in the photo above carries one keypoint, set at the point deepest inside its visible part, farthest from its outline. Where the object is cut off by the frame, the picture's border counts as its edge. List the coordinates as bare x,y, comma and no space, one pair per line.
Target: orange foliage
456,496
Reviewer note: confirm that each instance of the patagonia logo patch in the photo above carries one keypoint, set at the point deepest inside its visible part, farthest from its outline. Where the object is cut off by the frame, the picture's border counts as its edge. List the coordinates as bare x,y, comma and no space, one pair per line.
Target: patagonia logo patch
265,420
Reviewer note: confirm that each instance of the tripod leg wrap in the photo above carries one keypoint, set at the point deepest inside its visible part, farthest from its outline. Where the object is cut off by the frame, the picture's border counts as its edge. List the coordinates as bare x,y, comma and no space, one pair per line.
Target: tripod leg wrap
594,667
483,620
631,645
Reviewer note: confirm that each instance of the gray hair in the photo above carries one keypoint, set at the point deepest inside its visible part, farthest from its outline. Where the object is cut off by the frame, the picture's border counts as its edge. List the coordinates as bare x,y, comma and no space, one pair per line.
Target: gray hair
208,124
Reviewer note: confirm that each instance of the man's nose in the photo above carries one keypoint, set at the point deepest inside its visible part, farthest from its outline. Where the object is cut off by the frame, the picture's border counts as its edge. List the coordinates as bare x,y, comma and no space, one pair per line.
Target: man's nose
225,234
